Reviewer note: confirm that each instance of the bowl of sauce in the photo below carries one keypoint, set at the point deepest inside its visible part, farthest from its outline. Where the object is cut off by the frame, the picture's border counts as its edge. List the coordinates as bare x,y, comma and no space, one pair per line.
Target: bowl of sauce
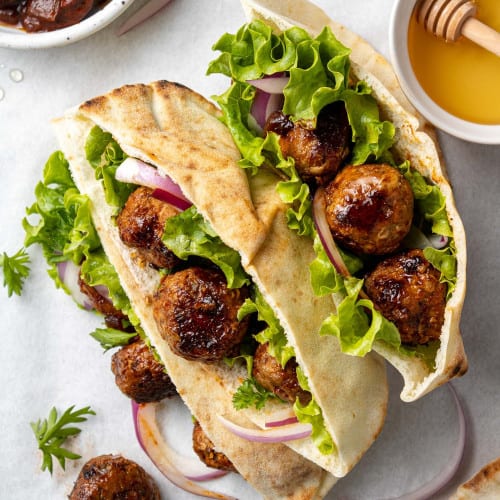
454,85
30,24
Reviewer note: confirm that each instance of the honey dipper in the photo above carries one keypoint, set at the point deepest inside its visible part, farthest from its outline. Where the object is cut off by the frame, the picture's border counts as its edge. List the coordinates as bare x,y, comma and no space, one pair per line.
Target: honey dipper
449,19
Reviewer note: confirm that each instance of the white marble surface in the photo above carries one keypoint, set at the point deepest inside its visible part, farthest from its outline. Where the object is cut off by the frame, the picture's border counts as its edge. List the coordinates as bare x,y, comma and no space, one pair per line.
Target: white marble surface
47,357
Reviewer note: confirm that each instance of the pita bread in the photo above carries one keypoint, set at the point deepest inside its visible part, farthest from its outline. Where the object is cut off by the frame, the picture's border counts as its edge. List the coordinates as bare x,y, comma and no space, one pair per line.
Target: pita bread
178,131
415,141
485,485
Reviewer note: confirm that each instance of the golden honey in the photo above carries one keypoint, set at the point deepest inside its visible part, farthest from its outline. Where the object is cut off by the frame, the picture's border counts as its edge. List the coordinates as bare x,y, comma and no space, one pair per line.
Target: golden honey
460,77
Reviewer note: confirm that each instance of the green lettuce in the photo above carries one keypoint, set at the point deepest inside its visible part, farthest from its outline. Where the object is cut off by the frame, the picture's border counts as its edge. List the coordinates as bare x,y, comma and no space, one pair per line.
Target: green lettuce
273,333
65,231
105,156
311,413
318,70
188,233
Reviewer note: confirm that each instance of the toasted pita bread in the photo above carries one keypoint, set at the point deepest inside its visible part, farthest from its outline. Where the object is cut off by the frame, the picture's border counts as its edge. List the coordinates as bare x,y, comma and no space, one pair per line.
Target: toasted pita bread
415,141
178,131
484,485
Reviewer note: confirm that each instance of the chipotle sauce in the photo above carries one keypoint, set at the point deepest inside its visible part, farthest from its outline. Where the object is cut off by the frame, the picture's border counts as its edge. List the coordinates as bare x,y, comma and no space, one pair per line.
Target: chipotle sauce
46,15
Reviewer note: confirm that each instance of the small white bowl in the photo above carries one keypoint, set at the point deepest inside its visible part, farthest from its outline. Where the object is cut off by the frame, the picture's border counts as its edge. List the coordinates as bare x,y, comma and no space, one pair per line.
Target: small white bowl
15,38
398,41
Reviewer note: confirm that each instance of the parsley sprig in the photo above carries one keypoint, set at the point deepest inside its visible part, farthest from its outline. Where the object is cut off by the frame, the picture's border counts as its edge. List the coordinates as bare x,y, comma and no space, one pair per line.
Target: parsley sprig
251,393
15,271
52,432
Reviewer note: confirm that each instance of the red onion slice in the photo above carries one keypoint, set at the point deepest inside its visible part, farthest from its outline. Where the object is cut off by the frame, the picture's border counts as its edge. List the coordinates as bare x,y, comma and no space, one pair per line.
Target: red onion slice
164,457
272,435
69,274
282,417
271,84
325,234
135,171
446,475
438,241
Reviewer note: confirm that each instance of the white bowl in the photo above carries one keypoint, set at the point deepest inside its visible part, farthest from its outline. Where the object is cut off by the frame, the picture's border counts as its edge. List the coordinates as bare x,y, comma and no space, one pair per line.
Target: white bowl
398,41
16,38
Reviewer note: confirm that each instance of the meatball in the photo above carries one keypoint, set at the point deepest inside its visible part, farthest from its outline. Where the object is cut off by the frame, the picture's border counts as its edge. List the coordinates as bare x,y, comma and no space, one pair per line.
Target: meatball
407,291
139,375
283,382
196,314
141,224
112,316
108,477
205,449
318,152
369,208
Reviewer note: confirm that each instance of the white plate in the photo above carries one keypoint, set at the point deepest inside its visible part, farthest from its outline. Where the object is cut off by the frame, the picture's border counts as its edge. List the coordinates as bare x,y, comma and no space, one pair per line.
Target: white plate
16,38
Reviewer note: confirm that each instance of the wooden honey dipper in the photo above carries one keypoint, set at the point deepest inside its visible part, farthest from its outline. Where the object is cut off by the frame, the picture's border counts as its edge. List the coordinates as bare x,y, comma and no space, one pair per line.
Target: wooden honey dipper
449,19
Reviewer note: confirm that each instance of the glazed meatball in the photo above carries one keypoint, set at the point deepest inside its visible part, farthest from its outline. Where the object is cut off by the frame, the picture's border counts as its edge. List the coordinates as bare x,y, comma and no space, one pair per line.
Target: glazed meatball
141,224
109,477
205,449
112,316
283,382
407,291
369,208
196,314
139,375
319,152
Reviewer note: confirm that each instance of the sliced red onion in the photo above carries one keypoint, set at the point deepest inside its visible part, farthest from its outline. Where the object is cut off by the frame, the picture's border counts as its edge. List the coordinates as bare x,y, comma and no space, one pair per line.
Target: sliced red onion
164,457
135,171
272,435
69,274
171,199
282,417
438,241
263,105
272,84
325,234
446,475
258,110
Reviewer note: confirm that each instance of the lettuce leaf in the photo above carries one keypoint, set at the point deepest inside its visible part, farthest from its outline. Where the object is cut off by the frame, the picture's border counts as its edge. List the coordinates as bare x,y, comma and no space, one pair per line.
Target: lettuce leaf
311,414
64,228
65,231
188,233
319,75
273,333
105,156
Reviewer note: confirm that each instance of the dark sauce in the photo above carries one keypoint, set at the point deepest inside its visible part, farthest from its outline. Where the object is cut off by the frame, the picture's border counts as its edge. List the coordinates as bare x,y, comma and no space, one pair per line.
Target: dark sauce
35,16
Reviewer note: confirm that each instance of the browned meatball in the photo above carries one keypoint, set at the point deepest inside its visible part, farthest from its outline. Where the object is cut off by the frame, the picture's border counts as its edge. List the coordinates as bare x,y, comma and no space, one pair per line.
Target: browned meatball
283,382
109,477
139,375
196,314
407,291
205,449
112,316
319,152
369,208
141,224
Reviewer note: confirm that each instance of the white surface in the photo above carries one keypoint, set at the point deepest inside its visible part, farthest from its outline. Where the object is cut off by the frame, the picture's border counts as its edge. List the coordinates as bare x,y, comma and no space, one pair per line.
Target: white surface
12,37
398,37
47,357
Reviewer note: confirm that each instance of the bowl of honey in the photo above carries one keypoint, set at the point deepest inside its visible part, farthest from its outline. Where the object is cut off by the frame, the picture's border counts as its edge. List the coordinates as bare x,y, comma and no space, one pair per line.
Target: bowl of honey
454,85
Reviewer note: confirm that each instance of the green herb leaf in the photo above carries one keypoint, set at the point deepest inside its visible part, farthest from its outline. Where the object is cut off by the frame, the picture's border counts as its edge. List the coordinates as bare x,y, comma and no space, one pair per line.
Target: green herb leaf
52,432
15,270
110,338
251,393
